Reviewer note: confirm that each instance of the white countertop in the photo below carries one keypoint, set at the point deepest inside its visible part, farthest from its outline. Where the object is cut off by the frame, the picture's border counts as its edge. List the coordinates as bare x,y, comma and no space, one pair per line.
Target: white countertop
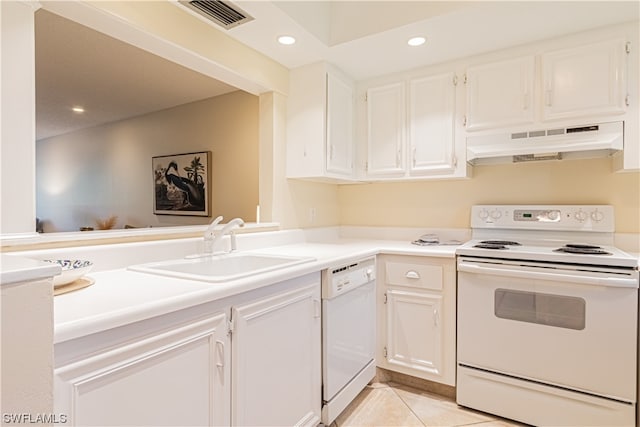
18,269
121,296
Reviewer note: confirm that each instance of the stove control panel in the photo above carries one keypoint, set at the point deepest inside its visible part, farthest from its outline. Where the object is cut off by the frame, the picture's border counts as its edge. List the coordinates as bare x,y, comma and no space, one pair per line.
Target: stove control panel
536,215
544,217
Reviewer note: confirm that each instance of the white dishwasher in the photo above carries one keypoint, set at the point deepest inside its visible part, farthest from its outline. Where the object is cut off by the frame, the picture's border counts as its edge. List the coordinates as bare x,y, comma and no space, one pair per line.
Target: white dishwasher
348,334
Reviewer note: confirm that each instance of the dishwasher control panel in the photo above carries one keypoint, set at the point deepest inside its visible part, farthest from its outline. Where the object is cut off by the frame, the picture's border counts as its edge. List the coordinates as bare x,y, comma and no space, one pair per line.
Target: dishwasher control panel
343,278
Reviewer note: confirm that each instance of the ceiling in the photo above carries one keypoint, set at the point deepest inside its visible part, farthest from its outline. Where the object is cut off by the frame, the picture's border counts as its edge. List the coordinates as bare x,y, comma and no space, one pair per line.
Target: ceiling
369,38
76,65
112,80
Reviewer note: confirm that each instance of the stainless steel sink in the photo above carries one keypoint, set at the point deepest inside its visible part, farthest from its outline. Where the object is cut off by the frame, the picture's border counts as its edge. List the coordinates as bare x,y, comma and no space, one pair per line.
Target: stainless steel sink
221,268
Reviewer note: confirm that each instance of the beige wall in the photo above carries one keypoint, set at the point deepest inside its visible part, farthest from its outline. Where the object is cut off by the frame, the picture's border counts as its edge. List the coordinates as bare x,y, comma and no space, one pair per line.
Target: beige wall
106,170
447,203
290,202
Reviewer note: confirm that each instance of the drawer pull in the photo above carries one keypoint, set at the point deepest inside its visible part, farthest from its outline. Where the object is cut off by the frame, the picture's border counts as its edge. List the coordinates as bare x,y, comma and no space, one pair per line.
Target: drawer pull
412,274
220,354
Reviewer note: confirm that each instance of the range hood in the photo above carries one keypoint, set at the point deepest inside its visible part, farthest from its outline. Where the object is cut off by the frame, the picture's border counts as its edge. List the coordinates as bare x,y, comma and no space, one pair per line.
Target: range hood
590,140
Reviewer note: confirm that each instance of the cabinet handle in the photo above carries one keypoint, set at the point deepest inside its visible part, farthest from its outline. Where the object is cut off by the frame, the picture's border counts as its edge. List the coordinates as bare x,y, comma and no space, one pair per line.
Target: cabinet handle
317,308
436,317
220,354
548,100
525,101
413,154
398,153
412,274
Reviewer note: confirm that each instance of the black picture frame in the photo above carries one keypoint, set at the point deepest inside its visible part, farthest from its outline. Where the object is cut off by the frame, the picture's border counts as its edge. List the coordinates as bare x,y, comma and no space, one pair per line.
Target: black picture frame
182,184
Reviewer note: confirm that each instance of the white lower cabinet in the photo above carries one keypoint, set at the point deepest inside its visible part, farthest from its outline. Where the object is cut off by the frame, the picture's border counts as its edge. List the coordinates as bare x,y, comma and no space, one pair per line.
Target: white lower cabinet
277,360
175,377
416,317
252,359
410,314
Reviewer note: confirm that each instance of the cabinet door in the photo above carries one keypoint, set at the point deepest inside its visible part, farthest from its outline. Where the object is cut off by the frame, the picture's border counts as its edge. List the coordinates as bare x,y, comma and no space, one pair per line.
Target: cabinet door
414,333
276,351
180,377
500,94
583,81
386,130
431,125
339,127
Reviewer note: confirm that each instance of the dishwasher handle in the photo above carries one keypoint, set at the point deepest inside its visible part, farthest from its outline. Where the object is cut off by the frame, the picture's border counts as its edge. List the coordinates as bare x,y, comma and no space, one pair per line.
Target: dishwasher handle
564,276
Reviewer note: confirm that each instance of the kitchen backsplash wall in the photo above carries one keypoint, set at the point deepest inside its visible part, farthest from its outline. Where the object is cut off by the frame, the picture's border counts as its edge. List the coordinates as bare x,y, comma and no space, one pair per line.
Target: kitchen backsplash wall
447,204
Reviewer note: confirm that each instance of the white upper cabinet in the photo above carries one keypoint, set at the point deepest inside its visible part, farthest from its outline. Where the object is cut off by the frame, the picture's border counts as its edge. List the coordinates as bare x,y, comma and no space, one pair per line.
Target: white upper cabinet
431,125
340,141
587,81
320,137
413,136
500,94
584,81
386,130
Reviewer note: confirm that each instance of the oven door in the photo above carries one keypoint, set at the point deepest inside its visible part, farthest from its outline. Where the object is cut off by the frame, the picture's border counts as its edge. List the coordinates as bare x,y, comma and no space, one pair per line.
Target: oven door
553,324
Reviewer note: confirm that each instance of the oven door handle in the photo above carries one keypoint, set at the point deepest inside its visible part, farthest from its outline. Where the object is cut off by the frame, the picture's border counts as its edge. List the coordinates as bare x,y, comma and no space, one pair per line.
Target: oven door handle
618,282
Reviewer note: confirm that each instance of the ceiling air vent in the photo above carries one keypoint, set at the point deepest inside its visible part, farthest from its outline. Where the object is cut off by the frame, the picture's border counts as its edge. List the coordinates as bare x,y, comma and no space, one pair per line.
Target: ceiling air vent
223,13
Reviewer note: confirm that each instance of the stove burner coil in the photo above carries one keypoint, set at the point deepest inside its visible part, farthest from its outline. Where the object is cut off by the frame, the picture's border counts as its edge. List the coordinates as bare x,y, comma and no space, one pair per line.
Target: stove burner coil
496,244
574,248
500,242
490,246
581,246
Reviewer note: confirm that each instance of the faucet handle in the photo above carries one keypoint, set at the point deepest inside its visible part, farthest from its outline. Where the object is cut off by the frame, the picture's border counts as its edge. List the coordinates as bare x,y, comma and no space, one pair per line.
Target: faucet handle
208,234
216,221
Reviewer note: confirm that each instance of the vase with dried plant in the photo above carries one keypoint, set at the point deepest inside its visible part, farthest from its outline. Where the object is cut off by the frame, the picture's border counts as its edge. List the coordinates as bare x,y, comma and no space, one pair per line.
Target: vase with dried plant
106,224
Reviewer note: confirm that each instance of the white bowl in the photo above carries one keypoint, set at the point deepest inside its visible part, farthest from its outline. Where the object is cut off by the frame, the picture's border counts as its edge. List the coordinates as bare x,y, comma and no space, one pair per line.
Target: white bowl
72,269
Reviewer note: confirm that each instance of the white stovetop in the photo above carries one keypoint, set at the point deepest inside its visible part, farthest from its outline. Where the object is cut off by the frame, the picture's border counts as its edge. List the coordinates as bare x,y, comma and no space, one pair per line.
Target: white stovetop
547,253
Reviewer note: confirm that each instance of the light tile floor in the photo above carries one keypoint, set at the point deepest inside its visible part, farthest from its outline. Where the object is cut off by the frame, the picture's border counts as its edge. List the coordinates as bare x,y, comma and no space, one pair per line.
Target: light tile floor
393,404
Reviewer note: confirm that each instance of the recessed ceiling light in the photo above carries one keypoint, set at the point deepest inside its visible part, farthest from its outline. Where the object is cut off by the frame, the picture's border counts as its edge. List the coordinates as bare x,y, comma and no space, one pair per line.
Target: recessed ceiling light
78,110
286,40
416,41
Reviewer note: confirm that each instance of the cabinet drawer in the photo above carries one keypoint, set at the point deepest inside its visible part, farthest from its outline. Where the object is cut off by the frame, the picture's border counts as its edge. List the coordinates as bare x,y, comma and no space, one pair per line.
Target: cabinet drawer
414,275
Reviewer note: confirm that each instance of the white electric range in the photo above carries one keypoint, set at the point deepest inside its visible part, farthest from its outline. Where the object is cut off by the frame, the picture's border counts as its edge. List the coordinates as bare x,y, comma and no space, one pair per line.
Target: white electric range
547,316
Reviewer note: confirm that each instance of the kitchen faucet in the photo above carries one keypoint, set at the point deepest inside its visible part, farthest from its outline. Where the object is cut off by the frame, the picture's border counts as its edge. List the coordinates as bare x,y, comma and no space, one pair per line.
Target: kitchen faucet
209,235
211,239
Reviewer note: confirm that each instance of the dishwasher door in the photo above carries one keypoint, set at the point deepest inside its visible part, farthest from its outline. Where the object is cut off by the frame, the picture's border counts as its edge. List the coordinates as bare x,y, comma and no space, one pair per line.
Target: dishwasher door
348,337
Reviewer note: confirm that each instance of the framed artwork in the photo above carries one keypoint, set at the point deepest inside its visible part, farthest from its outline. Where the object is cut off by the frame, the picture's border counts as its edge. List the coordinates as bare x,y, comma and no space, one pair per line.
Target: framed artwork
182,184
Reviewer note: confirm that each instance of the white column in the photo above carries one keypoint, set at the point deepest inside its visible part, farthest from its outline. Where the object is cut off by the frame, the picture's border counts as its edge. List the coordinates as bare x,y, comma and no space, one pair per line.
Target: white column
17,118
26,336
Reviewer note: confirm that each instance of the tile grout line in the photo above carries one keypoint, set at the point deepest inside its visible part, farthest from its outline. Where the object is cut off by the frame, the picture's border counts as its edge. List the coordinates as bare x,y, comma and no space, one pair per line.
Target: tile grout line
477,423
407,405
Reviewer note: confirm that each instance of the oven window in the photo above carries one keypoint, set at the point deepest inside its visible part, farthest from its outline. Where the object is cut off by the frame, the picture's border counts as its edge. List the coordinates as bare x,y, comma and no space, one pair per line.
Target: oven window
545,309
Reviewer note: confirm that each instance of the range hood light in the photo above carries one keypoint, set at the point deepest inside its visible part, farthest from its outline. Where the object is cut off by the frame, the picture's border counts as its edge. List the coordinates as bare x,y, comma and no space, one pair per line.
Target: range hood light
536,157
